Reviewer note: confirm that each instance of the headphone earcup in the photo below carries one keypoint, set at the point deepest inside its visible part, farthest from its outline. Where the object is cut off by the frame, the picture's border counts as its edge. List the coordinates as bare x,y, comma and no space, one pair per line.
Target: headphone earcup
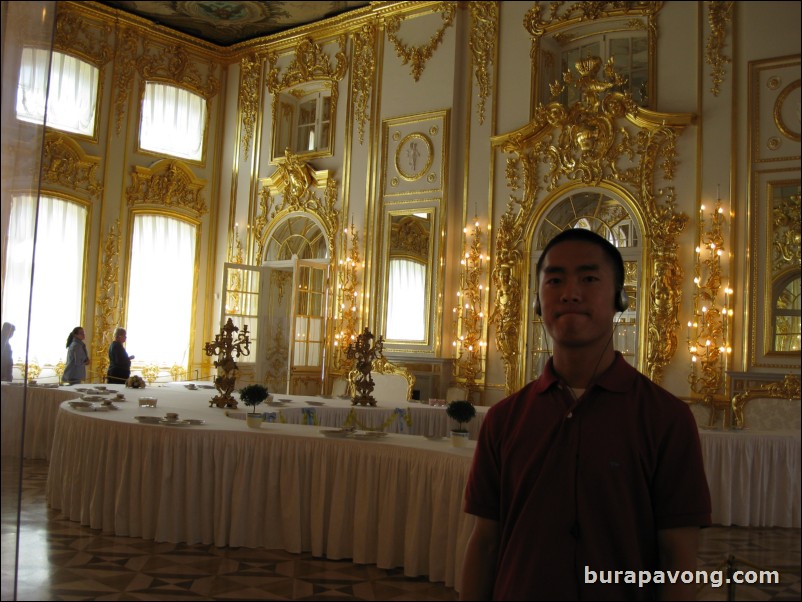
622,300
538,309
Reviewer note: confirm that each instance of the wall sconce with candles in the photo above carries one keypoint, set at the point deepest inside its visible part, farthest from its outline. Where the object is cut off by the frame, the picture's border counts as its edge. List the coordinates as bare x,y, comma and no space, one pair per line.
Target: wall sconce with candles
469,317
709,329
347,310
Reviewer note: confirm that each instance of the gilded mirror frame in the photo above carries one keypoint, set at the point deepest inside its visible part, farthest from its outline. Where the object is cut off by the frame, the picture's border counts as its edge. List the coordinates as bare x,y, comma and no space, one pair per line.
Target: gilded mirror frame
567,22
310,70
407,237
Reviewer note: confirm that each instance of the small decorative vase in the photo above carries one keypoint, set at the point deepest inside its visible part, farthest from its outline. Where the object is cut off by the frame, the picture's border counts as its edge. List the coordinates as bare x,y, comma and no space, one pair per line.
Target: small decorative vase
254,420
459,438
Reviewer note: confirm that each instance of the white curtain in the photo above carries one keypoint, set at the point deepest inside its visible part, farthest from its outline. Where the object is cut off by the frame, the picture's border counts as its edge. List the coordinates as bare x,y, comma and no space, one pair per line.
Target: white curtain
71,99
160,290
406,306
173,121
58,269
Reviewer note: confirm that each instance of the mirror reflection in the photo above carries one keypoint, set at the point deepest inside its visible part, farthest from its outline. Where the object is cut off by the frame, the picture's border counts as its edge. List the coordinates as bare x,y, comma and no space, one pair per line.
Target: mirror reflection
408,275
303,120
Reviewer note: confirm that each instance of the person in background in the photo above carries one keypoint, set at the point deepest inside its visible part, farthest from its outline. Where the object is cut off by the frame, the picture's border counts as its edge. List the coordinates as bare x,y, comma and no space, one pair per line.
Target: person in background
592,469
119,360
77,358
6,355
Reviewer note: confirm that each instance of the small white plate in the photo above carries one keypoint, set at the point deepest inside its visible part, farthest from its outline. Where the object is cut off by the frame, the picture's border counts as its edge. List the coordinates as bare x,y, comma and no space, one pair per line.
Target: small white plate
370,435
315,403
195,421
166,422
285,400
77,405
336,433
93,398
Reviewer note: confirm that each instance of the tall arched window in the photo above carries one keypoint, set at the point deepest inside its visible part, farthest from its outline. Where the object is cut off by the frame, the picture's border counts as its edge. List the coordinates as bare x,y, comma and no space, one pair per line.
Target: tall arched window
53,233
161,287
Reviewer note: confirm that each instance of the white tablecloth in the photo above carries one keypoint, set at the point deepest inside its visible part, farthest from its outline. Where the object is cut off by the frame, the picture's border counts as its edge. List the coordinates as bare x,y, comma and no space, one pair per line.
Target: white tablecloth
43,403
394,502
754,477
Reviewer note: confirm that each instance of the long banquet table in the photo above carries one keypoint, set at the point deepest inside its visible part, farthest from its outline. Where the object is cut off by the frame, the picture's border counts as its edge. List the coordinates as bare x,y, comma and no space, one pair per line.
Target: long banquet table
393,502
397,417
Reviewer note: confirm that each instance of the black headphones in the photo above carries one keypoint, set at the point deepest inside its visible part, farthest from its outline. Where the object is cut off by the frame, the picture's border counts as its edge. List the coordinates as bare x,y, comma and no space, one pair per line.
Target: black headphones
621,302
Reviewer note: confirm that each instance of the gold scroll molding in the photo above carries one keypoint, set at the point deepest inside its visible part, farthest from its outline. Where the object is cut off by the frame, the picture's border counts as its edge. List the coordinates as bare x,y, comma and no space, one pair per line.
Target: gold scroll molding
789,388
74,37
363,71
719,16
310,63
417,56
484,33
296,182
168,183
603,139
65,163
249,87
108,301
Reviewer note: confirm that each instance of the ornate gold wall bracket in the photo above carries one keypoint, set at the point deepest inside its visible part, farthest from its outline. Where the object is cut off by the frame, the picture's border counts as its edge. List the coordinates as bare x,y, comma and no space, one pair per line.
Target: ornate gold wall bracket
65,163
789,388
417,56
719,16
603,139
108,301
484,33
250,84
363,71
311,62
168,183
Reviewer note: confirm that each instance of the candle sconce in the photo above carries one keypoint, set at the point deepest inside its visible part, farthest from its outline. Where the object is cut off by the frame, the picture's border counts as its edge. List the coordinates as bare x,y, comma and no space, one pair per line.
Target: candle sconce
226,347
363,352
345,330
709,328
469,317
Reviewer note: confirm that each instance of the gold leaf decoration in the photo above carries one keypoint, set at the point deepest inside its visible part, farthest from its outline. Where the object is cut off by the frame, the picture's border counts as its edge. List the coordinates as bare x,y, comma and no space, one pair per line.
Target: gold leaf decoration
417,56
364,69
484,33
719,14
168,183
65,163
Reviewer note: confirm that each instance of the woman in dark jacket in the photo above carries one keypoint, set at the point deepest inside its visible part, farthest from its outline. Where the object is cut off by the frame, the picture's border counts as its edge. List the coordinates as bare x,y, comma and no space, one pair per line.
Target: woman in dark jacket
119,360
77,358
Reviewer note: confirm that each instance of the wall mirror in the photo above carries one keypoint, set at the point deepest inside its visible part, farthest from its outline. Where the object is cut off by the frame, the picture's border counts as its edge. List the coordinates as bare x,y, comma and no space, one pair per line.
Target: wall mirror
408,277
304,120
628,36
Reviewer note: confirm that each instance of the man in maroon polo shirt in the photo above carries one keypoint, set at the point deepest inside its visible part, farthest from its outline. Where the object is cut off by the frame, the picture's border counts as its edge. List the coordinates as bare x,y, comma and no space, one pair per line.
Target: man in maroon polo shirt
588,483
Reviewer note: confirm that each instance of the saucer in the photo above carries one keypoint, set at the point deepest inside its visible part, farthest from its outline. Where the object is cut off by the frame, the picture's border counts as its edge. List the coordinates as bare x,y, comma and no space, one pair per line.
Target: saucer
195,421
337,433
147,419
285,400
166,422
93,398
370,435
315,403
78,405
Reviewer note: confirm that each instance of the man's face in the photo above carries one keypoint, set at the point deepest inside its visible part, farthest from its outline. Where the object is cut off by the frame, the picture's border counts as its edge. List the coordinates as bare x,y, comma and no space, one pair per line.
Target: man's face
577,291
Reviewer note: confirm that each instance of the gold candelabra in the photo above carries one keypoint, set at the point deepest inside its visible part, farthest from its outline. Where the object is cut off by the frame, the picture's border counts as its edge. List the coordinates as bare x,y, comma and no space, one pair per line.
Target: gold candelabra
469,318
345,330
150,373
362,351
177,372
226,348
709,328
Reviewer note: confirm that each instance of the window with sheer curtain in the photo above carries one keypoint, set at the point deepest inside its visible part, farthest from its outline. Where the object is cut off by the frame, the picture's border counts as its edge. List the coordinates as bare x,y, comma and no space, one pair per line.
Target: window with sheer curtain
406,314
71,100
59,231
173,121
160,290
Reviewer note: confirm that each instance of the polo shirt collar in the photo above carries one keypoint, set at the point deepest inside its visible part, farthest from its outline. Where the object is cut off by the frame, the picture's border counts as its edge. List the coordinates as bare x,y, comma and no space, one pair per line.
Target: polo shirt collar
617,378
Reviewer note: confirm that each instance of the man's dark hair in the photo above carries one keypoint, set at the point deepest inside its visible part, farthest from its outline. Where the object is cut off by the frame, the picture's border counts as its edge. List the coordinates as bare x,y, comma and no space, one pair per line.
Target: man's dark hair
581,234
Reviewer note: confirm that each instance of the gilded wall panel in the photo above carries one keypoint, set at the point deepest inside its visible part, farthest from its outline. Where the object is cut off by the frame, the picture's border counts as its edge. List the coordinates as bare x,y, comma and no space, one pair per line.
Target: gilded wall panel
414,155
774,109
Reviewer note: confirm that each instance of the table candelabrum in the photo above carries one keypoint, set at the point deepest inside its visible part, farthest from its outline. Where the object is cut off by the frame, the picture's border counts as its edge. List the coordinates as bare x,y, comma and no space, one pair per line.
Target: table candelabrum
226,347
363,352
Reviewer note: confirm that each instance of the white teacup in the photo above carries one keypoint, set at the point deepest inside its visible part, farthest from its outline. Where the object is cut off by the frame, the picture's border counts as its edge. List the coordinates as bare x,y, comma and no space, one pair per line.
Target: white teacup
171,416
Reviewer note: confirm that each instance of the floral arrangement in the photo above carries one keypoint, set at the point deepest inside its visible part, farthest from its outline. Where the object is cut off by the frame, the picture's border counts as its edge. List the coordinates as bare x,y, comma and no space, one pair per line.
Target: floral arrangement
253,395
462,411
135,382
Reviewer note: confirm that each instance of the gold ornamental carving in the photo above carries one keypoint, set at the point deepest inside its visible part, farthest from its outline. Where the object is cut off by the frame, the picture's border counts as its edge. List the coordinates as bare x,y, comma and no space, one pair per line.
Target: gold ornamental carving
310,63
602,139
719,16
108,300
484,33
250,84
124,71
65,163
227,346
408,237
544,16
173,64
74,37
168,183
414,156
362,352
781,112
296,182
785,234
790,388
363,72
417,56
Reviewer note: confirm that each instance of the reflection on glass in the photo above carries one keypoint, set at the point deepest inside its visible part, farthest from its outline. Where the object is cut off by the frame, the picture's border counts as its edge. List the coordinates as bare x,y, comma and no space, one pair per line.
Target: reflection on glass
787,318
408,276
303,120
